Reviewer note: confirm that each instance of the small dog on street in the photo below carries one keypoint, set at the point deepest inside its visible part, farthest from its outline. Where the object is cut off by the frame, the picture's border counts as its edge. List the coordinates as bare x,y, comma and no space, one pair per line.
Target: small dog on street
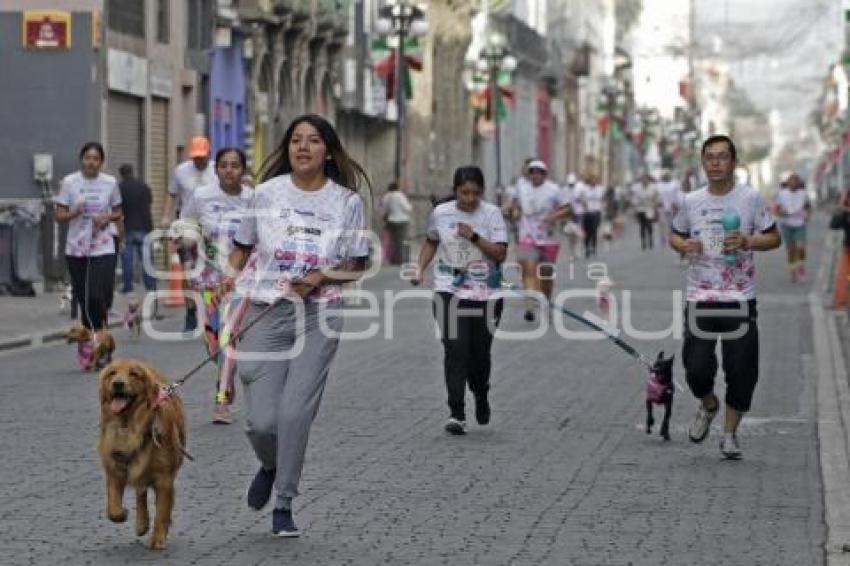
133,318
101,350
659,391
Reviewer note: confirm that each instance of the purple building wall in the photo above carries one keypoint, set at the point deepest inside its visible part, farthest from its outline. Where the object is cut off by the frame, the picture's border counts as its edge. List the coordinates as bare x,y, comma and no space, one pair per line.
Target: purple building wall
228,111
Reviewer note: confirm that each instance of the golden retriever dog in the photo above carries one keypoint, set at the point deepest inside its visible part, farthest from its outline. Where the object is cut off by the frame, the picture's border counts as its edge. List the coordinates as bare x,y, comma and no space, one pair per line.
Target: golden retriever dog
101,350
142,443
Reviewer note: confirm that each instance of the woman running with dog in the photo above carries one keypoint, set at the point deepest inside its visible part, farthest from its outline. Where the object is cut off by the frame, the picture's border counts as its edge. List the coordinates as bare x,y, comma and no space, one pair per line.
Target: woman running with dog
304,233
89,201
471,239
217,209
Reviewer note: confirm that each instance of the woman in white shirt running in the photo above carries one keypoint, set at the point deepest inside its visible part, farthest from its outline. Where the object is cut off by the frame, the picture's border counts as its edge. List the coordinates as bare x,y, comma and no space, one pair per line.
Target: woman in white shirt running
302,237
471,239
89,201
217,209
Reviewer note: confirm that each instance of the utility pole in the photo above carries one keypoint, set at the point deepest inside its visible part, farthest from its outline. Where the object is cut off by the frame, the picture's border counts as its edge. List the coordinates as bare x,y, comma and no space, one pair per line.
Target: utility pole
401,19
400,106
496,95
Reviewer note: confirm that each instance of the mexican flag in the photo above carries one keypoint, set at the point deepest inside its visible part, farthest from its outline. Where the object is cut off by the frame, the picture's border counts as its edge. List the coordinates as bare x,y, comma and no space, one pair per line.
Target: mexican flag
386,69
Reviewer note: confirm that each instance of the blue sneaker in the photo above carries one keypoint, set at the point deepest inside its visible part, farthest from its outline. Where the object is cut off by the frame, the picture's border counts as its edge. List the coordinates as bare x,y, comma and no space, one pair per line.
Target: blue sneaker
283,525
260,490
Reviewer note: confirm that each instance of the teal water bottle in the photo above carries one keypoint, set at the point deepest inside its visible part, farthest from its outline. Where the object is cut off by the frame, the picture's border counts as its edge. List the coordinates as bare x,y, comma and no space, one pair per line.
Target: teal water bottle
731,221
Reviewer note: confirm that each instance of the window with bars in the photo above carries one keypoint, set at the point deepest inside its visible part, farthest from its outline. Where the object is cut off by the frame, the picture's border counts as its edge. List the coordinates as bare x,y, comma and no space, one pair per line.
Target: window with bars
127,16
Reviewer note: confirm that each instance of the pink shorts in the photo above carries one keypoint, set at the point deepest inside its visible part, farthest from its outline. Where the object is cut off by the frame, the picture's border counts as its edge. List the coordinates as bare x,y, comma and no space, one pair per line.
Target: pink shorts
528,250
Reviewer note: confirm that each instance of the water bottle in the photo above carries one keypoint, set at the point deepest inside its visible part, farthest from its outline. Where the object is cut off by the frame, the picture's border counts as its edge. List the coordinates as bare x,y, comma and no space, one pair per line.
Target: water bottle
731,221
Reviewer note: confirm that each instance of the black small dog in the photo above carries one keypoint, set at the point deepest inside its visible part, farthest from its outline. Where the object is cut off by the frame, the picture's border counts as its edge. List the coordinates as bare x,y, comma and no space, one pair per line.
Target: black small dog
659,391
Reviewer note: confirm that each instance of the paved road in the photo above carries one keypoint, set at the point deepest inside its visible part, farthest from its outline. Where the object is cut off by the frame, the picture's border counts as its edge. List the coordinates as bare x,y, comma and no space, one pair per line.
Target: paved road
564,474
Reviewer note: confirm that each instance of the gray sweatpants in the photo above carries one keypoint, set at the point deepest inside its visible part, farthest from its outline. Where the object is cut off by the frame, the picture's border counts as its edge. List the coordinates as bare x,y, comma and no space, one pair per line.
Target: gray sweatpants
281,396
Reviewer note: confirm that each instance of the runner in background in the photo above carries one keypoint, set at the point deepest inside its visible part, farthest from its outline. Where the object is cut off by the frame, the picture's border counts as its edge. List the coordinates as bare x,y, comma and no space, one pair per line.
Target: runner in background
469,238
572,227
793,209
217,209
198,171
540,205
591,195
668,191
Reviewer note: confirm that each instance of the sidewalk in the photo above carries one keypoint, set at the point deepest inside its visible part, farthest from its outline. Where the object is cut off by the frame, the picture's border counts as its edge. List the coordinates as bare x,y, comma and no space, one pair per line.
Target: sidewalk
30,321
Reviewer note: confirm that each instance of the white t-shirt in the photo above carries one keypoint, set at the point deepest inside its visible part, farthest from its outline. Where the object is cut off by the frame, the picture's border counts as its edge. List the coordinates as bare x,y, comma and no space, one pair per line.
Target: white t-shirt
219,215
461,267
186,178
536,203
591,196
570,196
669,192
397,207
100,195
645,198
710,277
295,231
793,205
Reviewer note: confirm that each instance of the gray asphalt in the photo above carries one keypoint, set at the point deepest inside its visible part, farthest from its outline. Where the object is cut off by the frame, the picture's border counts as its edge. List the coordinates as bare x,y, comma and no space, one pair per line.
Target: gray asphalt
564,474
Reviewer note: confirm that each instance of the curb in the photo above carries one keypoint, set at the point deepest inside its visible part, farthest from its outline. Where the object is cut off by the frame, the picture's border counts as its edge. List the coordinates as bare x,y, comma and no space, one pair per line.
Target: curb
48,337
40,339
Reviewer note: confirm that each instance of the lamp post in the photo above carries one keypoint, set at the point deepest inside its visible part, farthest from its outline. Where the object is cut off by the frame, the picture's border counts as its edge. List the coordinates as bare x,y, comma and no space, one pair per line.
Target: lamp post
494,57
401,19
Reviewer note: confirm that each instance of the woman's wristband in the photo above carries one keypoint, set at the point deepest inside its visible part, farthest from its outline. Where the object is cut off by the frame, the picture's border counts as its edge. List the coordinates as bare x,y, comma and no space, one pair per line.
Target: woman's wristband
474,238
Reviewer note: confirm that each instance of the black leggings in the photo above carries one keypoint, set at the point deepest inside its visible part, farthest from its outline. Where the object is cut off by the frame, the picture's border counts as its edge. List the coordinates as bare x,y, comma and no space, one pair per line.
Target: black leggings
645,230
740,354
93,282
590,222
466,342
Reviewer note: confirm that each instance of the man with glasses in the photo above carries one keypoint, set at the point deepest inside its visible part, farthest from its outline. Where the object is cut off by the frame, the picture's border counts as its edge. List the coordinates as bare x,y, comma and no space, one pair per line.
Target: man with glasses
719,227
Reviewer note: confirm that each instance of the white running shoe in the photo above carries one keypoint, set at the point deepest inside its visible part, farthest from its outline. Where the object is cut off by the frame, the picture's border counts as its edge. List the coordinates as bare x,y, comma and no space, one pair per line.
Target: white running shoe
729,447
455,426
698,430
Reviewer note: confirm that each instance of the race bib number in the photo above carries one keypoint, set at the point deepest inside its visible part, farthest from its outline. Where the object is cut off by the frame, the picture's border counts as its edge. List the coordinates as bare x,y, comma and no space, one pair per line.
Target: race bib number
711,238
460,252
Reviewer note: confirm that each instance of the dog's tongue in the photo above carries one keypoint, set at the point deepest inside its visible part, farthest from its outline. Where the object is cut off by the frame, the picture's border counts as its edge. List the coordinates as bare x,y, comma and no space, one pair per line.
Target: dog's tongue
118,405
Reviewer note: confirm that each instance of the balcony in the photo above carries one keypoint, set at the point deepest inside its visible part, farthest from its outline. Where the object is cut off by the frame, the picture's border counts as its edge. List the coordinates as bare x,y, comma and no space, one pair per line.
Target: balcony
297,10
332,16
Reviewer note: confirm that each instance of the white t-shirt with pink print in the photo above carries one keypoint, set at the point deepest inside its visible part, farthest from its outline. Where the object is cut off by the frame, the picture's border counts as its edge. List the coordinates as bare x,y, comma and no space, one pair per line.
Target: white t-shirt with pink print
294,232
99,195
536,203
710,277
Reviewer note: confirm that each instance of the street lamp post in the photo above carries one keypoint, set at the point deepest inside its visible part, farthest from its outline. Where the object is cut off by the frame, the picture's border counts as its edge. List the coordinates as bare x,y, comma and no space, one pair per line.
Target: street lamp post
401,19
494,58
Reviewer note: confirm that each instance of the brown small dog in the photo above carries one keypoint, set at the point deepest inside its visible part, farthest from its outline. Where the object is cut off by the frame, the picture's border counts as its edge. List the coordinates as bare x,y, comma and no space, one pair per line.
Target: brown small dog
142,440
101,350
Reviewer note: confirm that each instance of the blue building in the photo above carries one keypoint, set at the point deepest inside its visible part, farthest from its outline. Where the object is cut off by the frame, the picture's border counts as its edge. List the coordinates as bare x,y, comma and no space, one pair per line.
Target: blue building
228,88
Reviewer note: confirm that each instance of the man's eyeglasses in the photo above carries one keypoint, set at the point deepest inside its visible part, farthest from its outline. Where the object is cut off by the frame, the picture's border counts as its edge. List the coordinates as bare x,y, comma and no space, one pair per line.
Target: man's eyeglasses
716,157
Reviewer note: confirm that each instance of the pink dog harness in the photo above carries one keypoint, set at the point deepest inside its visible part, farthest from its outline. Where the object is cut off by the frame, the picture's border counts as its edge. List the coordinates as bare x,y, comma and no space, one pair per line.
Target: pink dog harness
655,389
85,353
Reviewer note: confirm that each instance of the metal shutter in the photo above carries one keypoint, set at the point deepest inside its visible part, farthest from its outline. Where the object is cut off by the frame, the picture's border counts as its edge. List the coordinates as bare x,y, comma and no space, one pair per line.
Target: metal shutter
158,179
125,133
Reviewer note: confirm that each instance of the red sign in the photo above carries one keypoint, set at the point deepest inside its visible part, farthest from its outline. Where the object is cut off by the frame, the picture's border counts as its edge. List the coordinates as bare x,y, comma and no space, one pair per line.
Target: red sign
47,30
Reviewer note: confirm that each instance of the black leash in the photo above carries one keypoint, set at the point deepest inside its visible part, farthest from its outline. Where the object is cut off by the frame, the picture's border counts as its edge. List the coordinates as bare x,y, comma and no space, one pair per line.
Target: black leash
630,350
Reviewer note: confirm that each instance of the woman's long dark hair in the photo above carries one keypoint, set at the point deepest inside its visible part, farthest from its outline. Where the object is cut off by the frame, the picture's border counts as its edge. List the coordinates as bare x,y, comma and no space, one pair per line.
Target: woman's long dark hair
340,168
